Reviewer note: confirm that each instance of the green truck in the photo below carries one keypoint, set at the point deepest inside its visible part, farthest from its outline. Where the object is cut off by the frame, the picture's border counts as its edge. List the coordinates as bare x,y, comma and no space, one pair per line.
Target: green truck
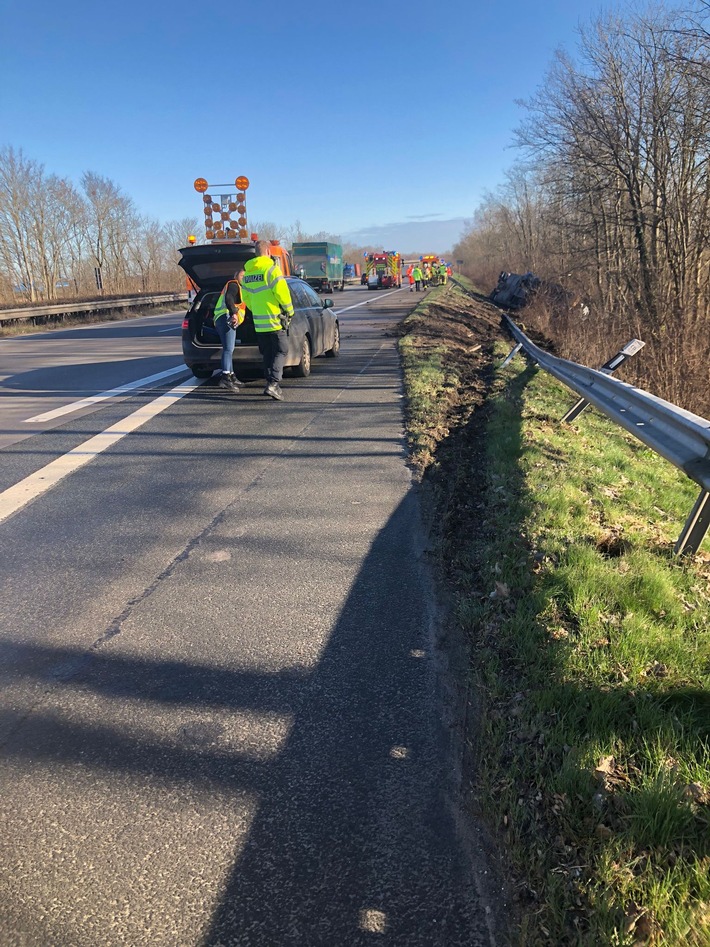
320,265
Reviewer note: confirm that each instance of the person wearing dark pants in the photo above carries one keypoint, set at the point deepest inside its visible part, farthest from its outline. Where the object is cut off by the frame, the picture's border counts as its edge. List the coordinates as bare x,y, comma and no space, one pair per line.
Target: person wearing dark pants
274,349
266,293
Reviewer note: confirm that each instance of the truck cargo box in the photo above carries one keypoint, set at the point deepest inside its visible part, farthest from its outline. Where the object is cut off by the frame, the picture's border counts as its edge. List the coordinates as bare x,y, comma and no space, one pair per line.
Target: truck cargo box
320,264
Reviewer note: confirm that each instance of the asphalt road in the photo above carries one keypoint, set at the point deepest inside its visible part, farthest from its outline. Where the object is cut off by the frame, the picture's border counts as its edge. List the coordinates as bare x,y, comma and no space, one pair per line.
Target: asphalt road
221,719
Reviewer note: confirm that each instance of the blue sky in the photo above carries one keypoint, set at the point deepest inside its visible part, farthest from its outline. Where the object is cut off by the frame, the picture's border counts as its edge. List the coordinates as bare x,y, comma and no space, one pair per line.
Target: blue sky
345,116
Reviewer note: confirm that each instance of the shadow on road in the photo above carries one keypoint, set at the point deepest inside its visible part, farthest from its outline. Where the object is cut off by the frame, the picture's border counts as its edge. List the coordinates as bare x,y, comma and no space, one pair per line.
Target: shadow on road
352,838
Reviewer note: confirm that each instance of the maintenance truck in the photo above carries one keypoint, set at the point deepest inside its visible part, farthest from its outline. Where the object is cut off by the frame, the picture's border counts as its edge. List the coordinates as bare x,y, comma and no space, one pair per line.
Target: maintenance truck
320,265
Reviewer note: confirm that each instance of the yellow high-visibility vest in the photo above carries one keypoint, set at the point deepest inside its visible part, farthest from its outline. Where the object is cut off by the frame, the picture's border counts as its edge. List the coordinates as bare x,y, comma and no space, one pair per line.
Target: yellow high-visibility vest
220,308
266,293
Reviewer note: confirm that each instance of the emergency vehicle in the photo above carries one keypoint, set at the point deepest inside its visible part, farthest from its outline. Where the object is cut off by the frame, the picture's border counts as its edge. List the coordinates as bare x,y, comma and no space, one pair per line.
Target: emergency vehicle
432,261
384,270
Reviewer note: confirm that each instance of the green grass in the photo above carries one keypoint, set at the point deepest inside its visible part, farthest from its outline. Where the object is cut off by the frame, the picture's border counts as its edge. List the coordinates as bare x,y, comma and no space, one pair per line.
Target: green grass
600,782
429,380
591,660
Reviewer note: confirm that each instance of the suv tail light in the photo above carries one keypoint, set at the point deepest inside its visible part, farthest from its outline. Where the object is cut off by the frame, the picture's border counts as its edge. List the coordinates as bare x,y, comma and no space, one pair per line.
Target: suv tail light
185,323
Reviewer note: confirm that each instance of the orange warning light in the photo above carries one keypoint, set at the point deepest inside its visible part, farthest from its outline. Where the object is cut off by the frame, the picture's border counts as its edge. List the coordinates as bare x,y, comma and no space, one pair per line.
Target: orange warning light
242,182
192,239
200,185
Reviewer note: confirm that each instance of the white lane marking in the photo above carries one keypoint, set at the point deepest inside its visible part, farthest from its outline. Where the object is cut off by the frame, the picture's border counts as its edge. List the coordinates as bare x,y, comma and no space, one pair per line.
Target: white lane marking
94,399
171,329
381,296
14,498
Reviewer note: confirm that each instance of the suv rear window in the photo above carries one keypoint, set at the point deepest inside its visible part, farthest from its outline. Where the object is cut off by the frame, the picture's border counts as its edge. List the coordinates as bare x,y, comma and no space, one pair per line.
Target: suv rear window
217,270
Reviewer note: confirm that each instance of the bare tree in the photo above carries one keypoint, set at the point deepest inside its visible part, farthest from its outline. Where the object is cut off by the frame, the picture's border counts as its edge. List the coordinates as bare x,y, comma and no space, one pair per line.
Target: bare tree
110,220
20,180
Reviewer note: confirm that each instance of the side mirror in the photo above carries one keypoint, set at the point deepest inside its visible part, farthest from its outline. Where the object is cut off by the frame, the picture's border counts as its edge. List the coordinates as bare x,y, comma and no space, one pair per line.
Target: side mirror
327,303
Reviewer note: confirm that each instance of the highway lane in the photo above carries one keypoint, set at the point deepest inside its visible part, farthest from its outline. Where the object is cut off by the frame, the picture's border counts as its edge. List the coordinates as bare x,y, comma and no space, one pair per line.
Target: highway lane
220,717
43,371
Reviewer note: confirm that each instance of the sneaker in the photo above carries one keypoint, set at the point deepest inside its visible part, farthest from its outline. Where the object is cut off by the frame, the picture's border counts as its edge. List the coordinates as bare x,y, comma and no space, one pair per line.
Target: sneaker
225,381
274,391
236,381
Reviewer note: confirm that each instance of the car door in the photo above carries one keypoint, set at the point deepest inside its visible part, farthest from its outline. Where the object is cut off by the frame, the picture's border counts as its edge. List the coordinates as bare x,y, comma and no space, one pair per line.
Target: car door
317,321
300,324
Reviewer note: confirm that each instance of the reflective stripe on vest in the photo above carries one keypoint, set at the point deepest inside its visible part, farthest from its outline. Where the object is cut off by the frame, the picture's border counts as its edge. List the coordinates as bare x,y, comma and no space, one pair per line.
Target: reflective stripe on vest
267,323
267,280
266,293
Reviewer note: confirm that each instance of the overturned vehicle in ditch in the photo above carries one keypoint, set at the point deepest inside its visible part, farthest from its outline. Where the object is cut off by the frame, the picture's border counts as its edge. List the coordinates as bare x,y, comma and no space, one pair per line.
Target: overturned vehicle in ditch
515,290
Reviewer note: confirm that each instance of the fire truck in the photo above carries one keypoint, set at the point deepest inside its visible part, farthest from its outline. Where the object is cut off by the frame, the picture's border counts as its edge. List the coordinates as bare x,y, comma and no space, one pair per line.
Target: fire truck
384,270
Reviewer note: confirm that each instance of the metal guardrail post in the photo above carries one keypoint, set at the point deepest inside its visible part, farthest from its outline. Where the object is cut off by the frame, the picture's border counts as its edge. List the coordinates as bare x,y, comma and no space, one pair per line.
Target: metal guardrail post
631,348
696,526
680,436
512,355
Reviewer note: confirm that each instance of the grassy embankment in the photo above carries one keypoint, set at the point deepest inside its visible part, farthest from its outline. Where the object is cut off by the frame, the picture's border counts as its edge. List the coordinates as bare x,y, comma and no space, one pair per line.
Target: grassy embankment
591,650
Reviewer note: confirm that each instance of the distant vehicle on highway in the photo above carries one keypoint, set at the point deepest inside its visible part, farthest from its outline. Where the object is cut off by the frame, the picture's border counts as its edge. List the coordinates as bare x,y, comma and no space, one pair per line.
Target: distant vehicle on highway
320,264
314,329
384,270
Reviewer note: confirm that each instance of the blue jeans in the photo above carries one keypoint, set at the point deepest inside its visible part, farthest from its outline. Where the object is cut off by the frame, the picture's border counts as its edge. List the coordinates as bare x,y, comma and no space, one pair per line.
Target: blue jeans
227,337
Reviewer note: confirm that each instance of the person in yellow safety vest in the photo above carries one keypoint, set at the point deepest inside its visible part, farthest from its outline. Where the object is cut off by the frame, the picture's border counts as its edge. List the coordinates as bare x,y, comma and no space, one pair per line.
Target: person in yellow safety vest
417,274
443,273
266,293
229,313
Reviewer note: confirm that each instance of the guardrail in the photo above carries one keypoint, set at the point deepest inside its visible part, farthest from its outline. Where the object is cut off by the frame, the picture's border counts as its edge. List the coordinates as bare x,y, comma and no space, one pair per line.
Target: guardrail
679,436
89,308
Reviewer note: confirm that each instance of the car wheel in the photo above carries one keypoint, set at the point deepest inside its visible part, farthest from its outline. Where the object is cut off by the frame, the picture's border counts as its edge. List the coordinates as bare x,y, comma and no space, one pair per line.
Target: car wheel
201,372
303,369
335,351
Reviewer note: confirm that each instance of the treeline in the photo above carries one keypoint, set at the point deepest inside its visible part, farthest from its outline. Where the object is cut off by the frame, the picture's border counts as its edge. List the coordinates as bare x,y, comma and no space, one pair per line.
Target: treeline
613,201
61,241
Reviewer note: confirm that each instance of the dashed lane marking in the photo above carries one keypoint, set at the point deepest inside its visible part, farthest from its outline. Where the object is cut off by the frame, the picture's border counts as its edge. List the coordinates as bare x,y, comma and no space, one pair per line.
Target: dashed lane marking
381,296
